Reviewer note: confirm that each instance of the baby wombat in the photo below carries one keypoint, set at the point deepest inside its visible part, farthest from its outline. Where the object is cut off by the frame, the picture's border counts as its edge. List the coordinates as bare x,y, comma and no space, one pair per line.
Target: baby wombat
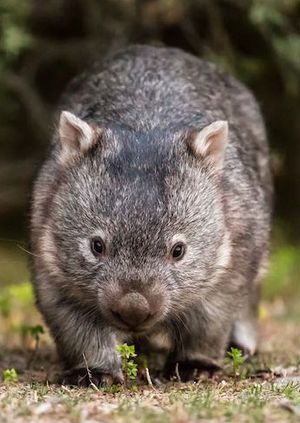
151,215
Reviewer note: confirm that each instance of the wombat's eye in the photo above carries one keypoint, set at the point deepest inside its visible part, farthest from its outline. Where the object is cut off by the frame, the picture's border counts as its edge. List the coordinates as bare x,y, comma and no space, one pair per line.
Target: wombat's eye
178,251
97,246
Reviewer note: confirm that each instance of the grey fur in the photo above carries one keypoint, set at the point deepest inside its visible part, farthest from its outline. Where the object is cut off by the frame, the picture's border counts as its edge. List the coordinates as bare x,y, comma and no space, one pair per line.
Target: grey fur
140,186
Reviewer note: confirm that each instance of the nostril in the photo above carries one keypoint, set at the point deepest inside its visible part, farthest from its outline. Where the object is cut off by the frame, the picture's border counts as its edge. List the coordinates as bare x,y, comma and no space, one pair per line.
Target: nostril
147,317
117,315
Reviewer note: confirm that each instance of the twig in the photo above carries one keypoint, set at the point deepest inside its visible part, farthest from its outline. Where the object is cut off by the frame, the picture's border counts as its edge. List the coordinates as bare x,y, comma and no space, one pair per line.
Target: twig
33,354
177,372
89,373
149,378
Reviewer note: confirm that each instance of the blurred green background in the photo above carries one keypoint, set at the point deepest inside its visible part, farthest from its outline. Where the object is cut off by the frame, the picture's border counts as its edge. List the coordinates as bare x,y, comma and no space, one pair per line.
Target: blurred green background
43,44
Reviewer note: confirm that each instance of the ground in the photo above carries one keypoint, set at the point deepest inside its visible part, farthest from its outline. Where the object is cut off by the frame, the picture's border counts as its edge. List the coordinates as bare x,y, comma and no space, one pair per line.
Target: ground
265,390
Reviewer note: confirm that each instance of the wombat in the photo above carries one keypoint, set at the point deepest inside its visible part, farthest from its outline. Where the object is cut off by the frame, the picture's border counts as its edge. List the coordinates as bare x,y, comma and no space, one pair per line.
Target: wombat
151,215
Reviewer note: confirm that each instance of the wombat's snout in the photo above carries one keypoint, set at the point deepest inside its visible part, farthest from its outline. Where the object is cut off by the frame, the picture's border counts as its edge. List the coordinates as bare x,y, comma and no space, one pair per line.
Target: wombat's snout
132,310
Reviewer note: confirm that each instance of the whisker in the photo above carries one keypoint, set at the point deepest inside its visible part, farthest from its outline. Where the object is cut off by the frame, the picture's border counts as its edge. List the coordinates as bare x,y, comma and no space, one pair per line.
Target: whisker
26,251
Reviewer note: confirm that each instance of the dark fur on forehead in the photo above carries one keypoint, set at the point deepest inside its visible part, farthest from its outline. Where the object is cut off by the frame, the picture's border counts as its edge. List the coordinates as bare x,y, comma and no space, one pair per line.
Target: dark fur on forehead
139,162
144,153
129,177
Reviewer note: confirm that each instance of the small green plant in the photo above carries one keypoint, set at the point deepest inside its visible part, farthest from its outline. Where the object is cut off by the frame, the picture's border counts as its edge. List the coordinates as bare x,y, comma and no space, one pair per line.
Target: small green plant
236,358
10,376
129,367
5,306
31,331
34,332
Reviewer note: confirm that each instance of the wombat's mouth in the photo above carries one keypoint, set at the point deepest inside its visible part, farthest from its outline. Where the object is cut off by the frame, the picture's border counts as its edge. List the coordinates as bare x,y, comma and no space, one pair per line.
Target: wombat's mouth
135,327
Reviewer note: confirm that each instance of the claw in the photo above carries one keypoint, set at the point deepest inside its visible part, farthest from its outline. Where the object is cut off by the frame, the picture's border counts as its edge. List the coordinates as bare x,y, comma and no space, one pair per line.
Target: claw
85,377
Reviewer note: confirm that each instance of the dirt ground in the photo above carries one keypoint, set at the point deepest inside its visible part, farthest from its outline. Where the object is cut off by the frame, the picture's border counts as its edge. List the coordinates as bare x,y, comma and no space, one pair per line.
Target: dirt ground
267,389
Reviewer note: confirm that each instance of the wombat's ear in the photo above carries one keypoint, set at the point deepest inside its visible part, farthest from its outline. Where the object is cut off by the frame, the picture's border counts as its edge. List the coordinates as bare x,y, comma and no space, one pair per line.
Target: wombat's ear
210,142
76,136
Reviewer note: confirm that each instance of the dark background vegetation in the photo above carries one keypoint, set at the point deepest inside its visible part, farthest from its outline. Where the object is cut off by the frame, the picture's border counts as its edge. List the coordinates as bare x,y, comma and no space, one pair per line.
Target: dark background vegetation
45,43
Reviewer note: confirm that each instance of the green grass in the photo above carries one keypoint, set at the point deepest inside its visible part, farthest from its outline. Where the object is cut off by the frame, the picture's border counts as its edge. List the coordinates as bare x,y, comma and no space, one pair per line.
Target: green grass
246,401
283,275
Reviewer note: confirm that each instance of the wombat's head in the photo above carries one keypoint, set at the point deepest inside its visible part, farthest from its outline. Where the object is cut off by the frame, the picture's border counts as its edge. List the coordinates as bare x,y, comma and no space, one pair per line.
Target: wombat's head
136,230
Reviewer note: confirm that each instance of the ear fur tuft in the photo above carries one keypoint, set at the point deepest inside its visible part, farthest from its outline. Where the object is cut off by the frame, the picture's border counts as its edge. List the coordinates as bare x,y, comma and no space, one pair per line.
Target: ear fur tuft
210,142
76,136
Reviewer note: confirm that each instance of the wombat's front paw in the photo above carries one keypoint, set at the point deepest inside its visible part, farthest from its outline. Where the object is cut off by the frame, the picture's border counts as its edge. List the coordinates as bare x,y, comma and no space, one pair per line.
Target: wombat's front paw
190,369
94,376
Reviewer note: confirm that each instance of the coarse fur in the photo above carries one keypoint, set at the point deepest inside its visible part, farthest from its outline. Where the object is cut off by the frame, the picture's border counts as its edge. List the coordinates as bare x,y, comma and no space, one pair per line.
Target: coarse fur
128,164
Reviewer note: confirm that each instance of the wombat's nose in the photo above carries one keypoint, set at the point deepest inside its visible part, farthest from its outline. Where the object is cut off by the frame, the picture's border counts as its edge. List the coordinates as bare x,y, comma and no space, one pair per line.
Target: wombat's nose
132,309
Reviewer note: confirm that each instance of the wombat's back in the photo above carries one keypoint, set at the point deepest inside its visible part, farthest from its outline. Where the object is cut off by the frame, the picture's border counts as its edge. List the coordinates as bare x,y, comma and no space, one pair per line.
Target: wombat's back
141,88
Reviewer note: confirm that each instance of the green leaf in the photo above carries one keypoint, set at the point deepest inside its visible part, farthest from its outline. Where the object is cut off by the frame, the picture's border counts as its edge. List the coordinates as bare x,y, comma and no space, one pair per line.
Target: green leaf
129,367
10,376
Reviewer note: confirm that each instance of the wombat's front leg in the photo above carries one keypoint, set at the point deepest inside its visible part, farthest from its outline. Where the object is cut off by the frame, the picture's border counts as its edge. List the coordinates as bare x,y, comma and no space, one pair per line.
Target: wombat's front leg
200,349
86,346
